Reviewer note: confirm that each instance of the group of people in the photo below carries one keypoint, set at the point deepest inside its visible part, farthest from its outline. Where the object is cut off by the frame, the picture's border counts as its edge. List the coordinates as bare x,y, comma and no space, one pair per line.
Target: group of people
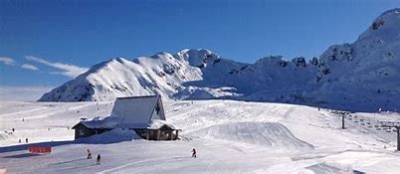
26,140
89,156
10,132
19,141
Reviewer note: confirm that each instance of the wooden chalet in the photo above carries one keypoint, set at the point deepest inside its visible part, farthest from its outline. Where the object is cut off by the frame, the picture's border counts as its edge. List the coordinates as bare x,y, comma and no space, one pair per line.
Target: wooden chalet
83,129
144,115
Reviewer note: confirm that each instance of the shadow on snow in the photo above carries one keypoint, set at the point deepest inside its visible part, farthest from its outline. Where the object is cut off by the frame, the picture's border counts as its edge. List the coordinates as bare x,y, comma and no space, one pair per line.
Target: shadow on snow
96,139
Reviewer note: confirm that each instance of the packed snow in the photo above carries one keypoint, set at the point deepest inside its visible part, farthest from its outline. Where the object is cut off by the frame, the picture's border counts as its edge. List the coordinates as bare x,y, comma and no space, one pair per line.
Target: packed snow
229,136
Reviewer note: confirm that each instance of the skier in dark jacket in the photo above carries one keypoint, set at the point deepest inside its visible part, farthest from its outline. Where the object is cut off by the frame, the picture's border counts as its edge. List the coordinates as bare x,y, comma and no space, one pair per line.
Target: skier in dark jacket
194,152
98,159
89,154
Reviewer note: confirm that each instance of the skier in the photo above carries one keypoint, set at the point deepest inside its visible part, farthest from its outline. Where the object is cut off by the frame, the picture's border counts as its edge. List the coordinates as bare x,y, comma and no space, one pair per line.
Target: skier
194,152
89,154
98,159
26,140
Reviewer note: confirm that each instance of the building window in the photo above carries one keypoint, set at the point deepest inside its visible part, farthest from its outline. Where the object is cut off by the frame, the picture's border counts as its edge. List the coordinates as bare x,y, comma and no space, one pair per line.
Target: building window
158,109
81,132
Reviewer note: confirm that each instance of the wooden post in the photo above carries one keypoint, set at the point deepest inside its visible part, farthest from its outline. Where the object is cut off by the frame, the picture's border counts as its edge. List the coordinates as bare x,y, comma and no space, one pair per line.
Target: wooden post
397,131
147,134
398,138
158,134
176,135
343,120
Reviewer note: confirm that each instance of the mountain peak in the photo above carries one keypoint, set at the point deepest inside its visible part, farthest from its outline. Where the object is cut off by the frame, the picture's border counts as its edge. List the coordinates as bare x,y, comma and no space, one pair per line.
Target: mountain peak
385,27
161,55
197,57
361,76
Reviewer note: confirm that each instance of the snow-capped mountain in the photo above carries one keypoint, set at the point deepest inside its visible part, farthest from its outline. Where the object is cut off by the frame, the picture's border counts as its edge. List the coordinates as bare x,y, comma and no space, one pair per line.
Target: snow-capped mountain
358,76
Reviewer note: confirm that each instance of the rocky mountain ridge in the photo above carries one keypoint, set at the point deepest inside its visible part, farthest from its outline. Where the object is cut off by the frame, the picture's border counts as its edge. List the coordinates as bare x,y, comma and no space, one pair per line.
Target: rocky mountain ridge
361,76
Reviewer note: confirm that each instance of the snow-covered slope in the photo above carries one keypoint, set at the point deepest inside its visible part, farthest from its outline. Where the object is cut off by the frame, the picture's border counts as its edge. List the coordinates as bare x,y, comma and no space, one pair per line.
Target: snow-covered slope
361,76
364,74
230,137
120,77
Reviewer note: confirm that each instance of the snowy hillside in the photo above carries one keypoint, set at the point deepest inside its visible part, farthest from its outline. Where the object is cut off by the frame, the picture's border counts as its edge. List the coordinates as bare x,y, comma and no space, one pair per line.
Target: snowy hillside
362,76
230,137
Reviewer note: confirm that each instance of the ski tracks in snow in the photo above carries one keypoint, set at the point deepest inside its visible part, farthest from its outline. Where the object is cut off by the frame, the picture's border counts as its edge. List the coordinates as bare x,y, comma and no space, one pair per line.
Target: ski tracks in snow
128,165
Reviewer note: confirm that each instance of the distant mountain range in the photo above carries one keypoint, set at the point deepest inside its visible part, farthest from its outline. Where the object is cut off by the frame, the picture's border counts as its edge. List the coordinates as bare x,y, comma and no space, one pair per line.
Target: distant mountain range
362,76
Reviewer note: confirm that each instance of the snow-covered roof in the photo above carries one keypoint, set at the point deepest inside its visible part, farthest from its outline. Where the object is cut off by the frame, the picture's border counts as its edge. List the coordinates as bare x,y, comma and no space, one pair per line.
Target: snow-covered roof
133,112
137,112
153,124
156,124
107,122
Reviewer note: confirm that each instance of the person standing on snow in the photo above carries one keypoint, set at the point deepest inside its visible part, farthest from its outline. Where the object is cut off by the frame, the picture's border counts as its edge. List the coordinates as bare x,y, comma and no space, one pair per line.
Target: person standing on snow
98,159
194,152
89,154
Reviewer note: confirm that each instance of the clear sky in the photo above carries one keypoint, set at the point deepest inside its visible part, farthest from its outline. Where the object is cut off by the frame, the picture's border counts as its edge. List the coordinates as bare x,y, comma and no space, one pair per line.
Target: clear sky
44,43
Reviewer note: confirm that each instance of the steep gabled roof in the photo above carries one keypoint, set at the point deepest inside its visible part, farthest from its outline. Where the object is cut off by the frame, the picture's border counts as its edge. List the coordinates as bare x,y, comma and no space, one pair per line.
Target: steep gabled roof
134,112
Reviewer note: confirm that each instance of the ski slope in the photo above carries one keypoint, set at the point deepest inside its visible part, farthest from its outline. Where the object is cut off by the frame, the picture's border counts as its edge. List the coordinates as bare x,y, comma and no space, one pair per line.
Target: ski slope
229,136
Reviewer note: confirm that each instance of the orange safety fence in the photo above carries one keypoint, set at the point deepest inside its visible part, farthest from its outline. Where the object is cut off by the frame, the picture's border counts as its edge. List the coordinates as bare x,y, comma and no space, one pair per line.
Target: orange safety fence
39,149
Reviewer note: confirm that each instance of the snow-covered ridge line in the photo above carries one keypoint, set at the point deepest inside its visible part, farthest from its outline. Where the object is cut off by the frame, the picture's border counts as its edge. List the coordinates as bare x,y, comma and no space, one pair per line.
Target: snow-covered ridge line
360,76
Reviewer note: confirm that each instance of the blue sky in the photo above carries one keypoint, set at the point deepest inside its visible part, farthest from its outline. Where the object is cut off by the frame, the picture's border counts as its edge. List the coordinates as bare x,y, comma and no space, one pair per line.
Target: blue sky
44,43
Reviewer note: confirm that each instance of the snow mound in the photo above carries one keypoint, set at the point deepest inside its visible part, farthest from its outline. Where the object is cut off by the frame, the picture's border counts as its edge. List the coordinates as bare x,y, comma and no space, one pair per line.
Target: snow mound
267,134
